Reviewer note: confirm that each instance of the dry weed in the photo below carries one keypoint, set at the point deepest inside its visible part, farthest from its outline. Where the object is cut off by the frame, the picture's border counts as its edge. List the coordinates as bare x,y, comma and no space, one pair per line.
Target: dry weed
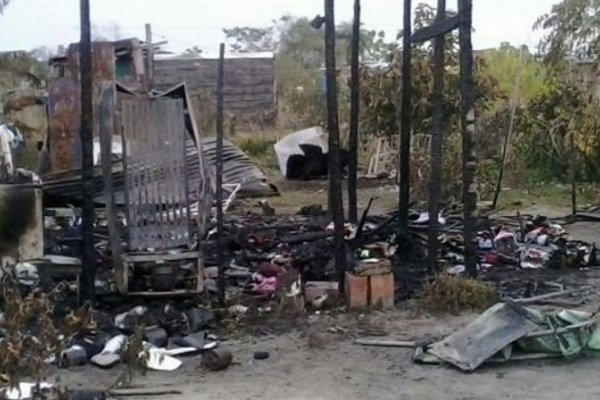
446,293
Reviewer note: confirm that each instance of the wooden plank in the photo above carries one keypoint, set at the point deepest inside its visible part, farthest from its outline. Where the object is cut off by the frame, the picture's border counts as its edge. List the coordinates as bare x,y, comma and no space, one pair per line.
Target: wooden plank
385,343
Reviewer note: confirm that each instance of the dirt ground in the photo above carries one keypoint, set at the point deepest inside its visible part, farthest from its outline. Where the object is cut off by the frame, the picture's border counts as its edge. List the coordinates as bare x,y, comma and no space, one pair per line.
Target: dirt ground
317,359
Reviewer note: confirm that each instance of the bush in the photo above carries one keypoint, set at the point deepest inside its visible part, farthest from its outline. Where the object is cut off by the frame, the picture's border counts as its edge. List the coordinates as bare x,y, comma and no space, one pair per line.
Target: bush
446,293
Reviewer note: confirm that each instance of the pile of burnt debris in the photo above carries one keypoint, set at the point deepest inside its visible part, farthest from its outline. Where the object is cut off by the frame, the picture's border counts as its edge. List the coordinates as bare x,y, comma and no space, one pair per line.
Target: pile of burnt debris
270,260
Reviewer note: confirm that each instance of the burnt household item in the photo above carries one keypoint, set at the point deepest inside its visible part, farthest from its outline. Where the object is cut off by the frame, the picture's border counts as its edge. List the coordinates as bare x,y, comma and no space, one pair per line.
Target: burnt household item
87,395
73,356
198,340
304,154
199,319
163,277
216,359
21,222
157,336
261,355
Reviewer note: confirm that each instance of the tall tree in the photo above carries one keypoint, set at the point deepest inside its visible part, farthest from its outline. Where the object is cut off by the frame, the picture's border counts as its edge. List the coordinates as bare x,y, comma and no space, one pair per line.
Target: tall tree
572,30
245,39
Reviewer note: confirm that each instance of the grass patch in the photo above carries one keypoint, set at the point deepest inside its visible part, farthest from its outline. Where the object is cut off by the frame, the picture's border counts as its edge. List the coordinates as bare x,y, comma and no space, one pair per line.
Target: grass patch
554,195
259,149
446,293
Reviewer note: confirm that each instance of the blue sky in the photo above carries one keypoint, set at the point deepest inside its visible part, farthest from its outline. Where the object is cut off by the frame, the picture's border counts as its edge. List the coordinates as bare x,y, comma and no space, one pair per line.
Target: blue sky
27,24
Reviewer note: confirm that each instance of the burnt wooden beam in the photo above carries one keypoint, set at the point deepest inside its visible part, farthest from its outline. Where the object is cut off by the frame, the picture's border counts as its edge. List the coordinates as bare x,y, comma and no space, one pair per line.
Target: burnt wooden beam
219,173
354,115
405,121
106,131
87,154
437,139
438,28
467,88
336,206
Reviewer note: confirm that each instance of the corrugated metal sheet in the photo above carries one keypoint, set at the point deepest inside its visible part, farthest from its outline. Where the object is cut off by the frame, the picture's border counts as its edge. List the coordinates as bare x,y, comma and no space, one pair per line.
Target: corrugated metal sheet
238,168
156,172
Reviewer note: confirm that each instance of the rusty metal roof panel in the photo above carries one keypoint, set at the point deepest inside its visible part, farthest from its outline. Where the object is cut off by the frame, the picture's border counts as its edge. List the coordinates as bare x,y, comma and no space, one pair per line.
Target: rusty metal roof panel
238,168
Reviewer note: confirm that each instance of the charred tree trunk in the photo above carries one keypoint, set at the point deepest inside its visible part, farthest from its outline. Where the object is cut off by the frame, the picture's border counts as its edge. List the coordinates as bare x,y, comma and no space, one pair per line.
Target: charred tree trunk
465,9
437,139
405,116
335,172
354,114
219,173
87,154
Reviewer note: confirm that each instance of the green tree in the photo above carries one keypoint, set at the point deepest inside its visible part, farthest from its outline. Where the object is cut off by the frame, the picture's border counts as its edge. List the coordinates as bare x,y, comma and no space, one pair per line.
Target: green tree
572,30
520,76
192,52
247,39
296,39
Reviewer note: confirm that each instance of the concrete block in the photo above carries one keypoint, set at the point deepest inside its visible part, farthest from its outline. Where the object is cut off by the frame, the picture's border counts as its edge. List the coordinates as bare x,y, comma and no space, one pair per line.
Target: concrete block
356,290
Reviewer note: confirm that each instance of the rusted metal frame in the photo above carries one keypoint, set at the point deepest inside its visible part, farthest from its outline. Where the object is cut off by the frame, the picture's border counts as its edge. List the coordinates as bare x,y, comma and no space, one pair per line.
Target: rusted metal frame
124,273
64,124
149,57
437,140
126,177
141,156
106,131
354,116
405,121
219,173
154,171
87,154
179,175
465,10
158,178
335,173
186,181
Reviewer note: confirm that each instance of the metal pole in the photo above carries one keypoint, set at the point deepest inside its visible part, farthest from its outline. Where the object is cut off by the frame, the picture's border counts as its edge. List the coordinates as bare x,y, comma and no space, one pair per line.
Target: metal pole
87,154
405,120
335,173
149,56
465,10
354,114
437,139
219,184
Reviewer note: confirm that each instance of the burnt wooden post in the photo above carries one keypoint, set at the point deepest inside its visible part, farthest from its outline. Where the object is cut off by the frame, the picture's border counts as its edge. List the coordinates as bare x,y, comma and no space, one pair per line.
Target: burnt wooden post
106,131
219,173
354,114
437,139
405,119
465,11
335,173
87,154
